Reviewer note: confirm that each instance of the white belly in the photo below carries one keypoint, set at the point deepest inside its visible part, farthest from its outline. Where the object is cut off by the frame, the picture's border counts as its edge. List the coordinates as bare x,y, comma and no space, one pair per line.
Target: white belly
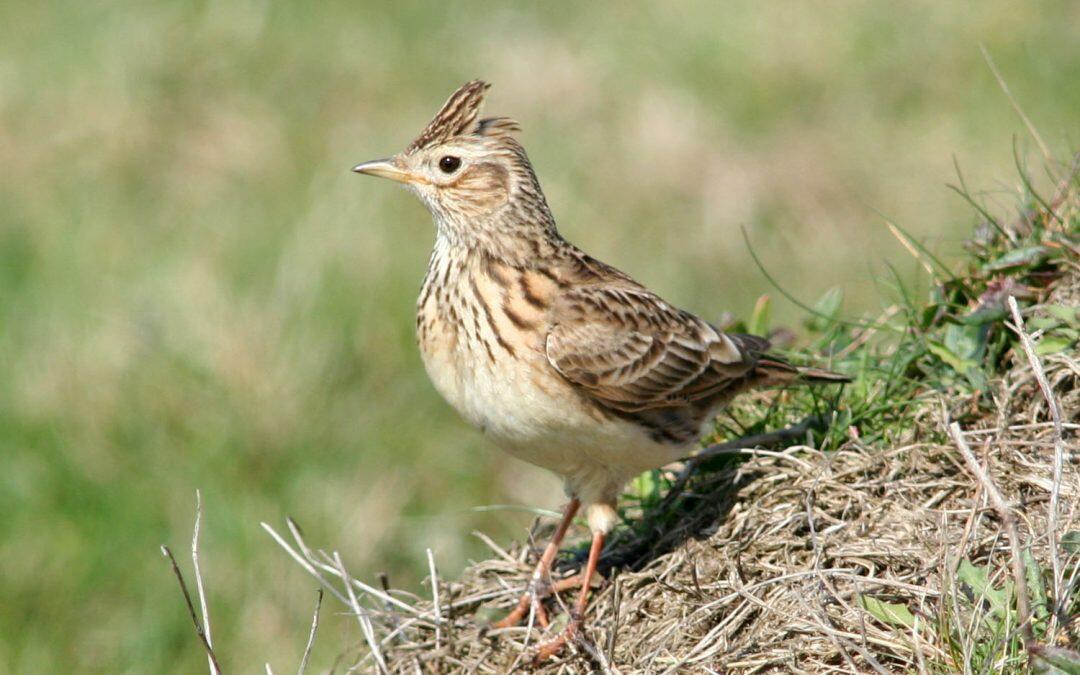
545,424
502,397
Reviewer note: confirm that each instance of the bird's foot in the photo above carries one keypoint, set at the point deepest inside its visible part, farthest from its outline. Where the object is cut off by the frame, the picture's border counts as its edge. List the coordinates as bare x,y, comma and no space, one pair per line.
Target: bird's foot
533,600
577,614
556,644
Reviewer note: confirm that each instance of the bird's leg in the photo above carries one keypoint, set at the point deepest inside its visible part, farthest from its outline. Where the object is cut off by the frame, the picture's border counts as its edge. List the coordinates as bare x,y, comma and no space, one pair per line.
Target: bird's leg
533,595
577,615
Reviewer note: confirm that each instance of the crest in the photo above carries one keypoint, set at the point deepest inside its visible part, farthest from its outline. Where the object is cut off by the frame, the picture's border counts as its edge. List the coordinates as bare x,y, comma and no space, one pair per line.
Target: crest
460,115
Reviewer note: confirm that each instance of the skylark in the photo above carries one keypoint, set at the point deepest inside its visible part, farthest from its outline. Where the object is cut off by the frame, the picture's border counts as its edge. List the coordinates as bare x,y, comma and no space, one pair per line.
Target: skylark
560,359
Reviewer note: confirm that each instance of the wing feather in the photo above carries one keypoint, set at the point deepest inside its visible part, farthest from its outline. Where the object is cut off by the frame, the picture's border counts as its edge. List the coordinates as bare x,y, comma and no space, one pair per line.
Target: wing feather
631,351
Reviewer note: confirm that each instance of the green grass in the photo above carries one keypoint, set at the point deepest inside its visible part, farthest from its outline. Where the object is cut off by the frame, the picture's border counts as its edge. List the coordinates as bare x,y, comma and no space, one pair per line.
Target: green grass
195,293
939,336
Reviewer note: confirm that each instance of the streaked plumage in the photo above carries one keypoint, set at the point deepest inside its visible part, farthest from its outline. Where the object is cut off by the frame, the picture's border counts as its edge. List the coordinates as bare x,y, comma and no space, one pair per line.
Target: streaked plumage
562,360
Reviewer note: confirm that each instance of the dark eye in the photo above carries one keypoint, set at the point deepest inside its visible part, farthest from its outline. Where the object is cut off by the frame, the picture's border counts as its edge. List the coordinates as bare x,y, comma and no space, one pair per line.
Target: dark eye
449,164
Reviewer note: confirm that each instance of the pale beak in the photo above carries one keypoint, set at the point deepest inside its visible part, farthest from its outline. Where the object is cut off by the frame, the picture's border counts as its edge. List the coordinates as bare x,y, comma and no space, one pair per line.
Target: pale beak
386,168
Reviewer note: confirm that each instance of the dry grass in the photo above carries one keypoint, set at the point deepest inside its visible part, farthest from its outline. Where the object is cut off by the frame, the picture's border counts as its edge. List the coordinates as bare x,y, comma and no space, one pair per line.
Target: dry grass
856,552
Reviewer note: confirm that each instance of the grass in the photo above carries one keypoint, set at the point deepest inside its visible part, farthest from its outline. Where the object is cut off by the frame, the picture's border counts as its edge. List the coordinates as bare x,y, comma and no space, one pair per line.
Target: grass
194,292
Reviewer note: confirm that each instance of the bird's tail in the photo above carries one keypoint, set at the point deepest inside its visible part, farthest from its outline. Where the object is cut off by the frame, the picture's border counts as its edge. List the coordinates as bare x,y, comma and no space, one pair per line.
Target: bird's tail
771,369
778,371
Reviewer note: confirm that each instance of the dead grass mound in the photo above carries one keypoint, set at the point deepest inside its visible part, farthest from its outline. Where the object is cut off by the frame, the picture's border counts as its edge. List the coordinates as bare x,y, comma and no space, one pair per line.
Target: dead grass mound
933,529
845,560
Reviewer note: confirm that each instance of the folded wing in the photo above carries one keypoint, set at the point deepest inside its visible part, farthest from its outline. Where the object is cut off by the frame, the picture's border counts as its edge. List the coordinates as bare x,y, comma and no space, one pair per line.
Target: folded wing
631,351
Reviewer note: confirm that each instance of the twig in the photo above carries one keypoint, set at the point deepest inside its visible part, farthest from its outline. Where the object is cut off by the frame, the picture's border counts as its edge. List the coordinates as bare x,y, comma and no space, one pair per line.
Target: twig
311,635
498,550
294,529
1008,521
1059,445
361,616
435,598
305,563
199,581
215,667
312,566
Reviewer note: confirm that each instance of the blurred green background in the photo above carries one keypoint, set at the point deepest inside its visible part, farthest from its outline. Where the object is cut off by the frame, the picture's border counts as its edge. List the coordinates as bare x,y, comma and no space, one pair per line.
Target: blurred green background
195,291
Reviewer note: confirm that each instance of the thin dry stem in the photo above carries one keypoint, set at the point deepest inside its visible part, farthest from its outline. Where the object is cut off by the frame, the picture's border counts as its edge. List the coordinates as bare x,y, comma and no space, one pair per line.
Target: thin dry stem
1008,521
915,253
199,580
311,635
215,668
304,563
435,598
361,615
1059,445
1016,106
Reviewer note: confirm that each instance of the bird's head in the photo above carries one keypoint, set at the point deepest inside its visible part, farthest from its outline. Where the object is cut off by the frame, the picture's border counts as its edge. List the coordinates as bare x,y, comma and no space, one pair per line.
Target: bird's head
470,172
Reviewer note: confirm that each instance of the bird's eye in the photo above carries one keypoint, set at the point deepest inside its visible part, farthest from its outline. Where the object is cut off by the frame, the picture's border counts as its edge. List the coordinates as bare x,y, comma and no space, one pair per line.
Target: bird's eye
449,164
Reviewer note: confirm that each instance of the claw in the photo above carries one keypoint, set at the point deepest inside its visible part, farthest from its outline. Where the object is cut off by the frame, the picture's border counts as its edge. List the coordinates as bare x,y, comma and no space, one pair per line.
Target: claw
534,599
531,600
553,647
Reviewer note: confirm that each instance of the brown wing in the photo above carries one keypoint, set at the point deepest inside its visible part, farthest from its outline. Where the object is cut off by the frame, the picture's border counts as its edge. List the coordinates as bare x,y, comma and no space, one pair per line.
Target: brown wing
631,351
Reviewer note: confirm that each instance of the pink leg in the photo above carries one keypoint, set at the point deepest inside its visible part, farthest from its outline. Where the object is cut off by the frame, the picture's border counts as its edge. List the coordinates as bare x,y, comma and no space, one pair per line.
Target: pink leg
577,617
541,575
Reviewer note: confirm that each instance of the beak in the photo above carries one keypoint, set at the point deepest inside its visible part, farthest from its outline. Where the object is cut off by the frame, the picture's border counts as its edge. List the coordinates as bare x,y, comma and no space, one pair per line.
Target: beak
386,168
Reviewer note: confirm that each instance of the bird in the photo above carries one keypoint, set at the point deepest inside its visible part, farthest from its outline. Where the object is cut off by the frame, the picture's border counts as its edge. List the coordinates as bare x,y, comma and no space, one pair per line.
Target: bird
562,360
